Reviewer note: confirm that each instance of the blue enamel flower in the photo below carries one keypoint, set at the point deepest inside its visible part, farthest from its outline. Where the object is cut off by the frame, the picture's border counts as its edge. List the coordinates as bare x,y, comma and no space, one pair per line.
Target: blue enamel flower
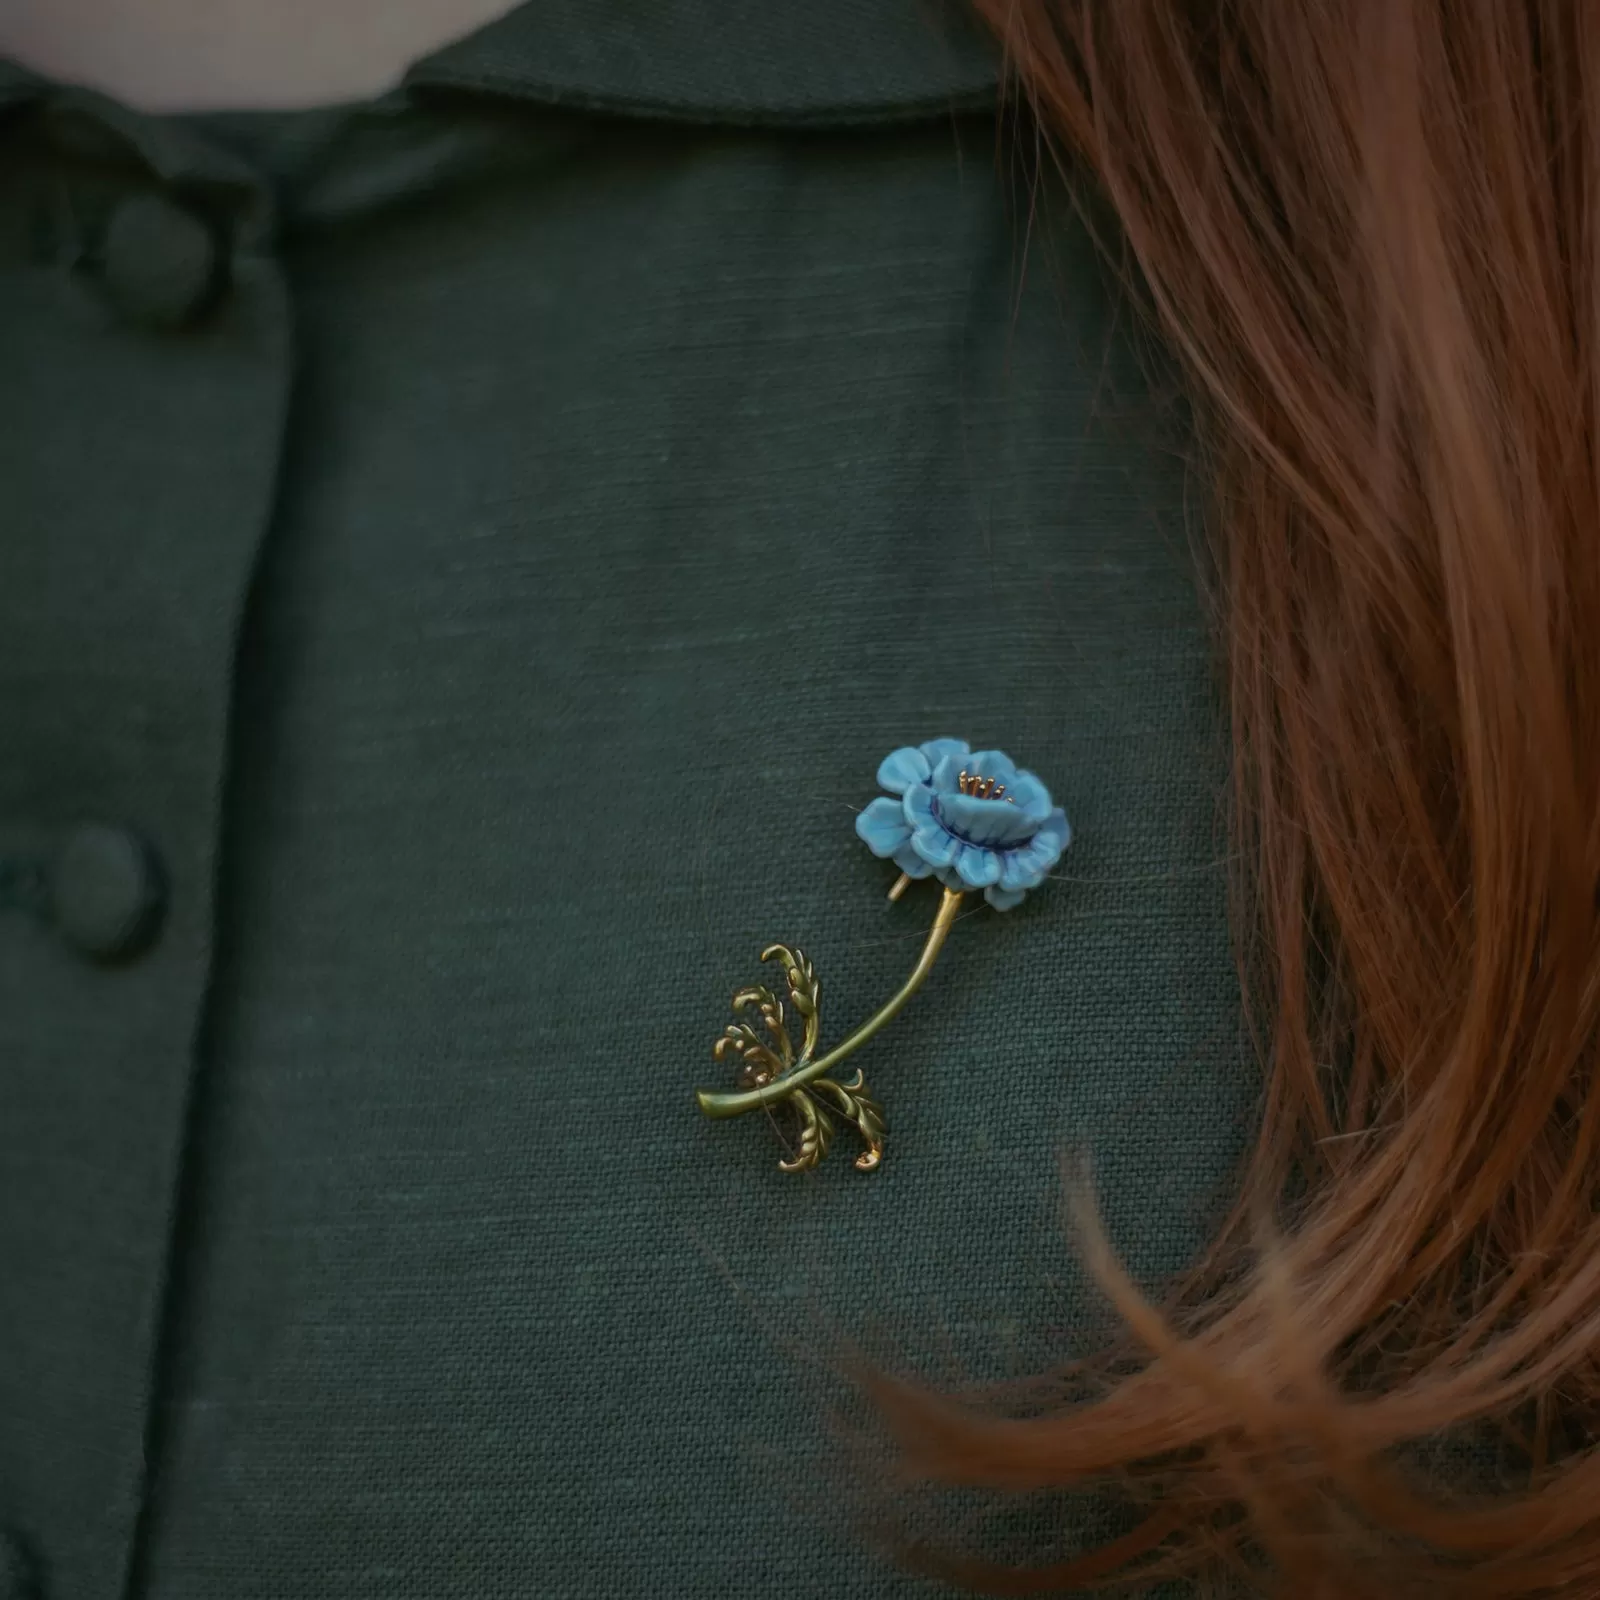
972,818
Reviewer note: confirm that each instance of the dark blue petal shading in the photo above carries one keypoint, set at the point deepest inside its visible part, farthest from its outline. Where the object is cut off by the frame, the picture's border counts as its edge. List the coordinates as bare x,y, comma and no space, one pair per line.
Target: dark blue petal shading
978,867
1004,847
992,822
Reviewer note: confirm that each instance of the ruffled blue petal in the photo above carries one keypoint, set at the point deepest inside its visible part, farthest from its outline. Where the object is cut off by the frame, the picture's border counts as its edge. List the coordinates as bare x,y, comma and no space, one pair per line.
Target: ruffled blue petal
947,771
1029,795
1029,865
1004,899
1055,833
935,845
910,863
951,879
917,803
882,826
935,750
986,822
978,867
1025,868
903,767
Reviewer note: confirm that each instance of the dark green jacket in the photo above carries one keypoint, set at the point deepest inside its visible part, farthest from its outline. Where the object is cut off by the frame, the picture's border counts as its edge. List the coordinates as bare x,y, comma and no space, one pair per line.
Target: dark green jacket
461,562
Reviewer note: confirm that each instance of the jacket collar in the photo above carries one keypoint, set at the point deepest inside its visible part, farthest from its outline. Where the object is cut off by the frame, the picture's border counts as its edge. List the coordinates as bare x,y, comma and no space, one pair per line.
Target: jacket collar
17,84
780,62
790,63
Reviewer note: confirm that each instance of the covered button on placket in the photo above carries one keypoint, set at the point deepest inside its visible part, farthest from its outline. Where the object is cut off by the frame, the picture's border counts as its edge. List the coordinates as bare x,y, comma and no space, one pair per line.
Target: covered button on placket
161,261
107,893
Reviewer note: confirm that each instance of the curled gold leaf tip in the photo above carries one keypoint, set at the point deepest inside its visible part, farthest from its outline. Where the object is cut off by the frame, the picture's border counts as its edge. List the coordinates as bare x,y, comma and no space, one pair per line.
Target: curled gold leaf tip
772,1073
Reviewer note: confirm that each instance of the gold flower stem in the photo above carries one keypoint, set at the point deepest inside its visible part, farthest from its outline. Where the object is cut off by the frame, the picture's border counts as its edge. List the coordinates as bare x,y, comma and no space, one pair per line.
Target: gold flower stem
735,1104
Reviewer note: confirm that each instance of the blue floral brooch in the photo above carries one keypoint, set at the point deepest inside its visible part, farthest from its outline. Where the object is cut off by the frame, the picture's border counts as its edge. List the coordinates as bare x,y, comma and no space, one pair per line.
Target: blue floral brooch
973,820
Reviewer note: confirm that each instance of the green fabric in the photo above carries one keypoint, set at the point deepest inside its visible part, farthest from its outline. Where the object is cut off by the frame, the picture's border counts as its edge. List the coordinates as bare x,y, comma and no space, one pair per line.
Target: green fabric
493,611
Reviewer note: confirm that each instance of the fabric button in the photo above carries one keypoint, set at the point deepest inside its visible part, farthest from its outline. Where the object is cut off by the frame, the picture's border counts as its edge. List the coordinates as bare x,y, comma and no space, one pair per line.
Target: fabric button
160,261
107,893
16,1571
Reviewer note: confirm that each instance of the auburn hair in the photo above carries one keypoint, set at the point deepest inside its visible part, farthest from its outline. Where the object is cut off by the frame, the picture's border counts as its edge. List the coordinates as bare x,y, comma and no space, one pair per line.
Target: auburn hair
1370,229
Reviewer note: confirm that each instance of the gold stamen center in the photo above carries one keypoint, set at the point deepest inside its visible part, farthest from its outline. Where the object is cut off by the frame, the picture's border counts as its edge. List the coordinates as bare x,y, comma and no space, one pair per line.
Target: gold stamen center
981,788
